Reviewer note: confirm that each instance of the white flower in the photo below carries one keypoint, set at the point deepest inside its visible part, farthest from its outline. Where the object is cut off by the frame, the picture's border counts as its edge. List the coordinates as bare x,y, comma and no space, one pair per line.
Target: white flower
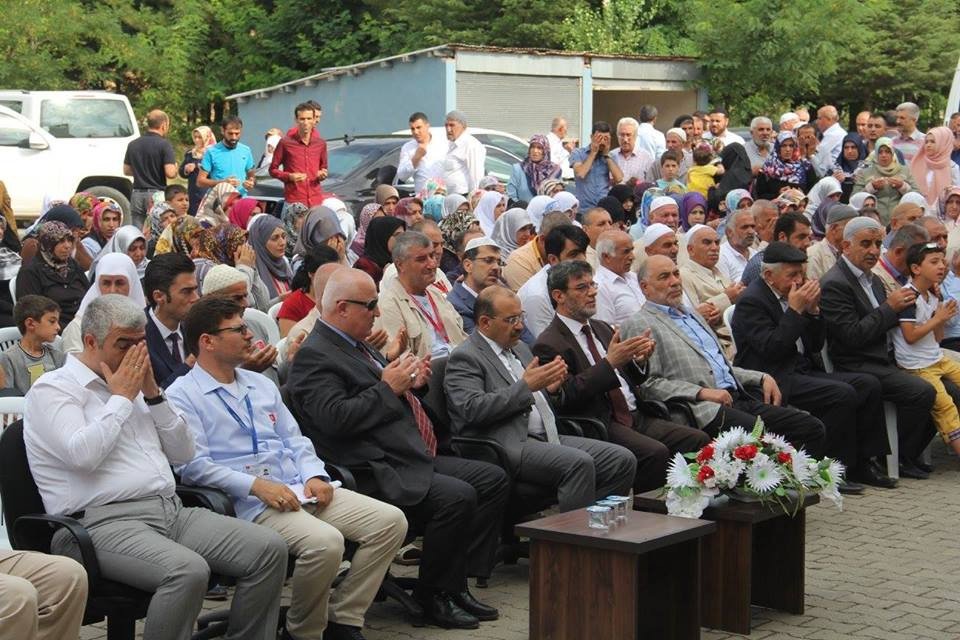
763,475
727,471
801,463
678,473
731,439
690,506
831,493
776,442
836,471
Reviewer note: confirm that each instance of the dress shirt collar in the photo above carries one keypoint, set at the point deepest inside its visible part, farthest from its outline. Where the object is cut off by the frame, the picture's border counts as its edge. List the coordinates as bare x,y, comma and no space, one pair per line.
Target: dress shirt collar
606,275
496,348
162,328
575,326
207,383
468,289
83,374
349,340
858,273
670,311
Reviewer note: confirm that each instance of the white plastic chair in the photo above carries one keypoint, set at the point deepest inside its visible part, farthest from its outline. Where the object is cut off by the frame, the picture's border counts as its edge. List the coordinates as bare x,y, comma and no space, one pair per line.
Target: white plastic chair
11,409
274,311
728,323
13,289
8,337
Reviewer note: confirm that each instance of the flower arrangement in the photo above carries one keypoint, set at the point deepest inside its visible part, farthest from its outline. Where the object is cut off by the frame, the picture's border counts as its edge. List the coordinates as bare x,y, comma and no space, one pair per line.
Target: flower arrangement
759,466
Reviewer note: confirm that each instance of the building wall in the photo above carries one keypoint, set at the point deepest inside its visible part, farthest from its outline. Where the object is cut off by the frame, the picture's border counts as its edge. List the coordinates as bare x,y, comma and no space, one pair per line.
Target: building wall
378,100
613,105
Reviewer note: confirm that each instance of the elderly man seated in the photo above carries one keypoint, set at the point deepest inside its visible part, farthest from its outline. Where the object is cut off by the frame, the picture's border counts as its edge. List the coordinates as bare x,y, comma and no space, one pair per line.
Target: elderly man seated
703,282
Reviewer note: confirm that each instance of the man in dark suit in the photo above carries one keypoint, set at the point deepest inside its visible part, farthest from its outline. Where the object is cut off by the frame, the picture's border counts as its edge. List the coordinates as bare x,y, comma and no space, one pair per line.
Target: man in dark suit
604,372
170,286
858,312
481,268
360,411
496,389
778,329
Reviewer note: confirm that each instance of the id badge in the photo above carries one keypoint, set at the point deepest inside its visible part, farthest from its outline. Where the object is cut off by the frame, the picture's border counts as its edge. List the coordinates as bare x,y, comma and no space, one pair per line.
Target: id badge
259,470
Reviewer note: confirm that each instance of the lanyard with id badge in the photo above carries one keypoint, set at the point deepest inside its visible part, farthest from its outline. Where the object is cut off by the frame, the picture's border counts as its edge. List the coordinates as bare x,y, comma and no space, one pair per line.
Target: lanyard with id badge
256,469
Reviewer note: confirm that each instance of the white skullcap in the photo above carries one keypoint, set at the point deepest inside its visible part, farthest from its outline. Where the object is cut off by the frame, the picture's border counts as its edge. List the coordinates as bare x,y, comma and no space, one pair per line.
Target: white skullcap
858,224
482,241
654,232
221,277
788,116
663,201
688,236
677,131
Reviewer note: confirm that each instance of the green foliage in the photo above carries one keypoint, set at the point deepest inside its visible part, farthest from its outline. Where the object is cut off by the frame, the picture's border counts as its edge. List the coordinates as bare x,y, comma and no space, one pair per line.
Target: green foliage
628,26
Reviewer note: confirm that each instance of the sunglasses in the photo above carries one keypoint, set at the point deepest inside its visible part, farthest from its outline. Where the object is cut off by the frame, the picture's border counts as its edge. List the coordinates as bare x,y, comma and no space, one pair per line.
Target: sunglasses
370,305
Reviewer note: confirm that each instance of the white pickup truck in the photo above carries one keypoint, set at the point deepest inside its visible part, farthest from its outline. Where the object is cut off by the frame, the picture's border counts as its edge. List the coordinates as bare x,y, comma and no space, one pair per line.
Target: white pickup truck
61,142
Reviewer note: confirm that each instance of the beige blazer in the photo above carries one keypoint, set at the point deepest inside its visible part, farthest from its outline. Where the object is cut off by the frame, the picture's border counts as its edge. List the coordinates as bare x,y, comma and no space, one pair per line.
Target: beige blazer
397,310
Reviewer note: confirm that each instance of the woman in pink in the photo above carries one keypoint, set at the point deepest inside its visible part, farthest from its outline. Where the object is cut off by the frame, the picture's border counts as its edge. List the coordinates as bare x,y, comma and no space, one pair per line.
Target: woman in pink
932,167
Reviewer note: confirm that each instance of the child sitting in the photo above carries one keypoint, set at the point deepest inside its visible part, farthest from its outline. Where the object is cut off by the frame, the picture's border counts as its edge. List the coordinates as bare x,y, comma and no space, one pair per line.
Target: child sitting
38,319
917,344
704,172
669,172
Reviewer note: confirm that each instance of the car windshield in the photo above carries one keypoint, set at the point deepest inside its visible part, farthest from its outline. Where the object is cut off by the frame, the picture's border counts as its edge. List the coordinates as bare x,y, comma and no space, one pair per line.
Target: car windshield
343,160
86,118
506,143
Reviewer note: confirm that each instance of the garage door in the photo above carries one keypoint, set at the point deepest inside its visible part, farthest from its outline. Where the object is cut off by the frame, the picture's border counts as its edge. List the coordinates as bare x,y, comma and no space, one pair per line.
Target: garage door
521,105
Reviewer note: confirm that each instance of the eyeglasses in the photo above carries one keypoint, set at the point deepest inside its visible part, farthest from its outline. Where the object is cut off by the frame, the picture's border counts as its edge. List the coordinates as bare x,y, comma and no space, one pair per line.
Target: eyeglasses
586,286
369,304
240,328
514,320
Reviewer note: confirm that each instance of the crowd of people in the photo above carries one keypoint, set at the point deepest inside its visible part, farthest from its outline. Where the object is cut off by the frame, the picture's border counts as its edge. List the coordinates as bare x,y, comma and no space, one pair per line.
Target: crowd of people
691,281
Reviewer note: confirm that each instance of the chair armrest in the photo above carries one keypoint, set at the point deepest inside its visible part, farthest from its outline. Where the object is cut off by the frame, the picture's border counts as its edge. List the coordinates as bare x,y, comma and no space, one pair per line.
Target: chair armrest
584,427
482,449
206,498
341,473
23,532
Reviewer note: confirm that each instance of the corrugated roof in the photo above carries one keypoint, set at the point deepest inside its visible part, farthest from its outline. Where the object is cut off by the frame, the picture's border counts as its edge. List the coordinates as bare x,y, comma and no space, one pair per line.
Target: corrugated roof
445,51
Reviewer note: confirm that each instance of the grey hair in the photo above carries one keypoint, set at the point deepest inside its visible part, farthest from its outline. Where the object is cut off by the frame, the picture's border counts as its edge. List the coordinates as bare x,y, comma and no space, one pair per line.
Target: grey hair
733,216
406,242
762,205
771,266
556,122
642,270
911,108
109,312
553,220
457,116
907,235
632,122
760,120
606,246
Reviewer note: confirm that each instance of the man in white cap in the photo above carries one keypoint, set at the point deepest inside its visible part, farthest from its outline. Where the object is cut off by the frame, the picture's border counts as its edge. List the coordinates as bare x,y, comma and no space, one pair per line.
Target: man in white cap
704,284
661,240
664,209
618,290
789,121
736,252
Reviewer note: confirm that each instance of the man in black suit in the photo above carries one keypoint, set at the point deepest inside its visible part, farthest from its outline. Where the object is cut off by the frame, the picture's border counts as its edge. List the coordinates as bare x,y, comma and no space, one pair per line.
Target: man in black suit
778,329
361,411
170,286
858,313
604,374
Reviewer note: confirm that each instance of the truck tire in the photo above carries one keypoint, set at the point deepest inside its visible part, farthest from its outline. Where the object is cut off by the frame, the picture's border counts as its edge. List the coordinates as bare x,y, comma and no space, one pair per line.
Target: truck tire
113,194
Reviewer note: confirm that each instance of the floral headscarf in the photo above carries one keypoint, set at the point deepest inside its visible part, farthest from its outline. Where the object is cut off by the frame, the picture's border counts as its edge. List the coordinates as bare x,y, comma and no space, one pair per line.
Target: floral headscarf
184,233
83,202
367,214
50,235
433,208
208,140
548,186
12,239
789,171
156,218
434,187
948,193
98,210
453,225
219,244
537,172
292,212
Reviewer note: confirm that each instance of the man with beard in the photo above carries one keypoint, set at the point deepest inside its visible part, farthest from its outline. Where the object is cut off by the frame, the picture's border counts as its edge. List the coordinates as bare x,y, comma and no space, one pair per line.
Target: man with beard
229,160
741,234
759,145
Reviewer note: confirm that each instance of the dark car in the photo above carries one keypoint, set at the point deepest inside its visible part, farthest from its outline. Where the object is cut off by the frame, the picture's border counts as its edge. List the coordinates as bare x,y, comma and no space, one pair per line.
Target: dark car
358,164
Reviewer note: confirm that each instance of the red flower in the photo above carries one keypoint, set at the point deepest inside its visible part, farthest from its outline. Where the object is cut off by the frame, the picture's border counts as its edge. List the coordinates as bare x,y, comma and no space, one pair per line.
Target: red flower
704,474
745,452
783,457
706,453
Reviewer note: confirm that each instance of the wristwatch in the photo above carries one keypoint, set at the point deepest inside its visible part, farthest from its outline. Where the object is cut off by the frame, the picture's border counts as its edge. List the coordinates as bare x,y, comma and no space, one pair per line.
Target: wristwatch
152,402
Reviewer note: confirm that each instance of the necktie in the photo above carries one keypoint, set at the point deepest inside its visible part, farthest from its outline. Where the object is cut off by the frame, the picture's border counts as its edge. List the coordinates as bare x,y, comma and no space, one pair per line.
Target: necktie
424,426
539,400
621,411
175,349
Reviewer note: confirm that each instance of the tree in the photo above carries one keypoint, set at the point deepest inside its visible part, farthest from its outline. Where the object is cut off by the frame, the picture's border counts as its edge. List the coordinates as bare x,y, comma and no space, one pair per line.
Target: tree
652,27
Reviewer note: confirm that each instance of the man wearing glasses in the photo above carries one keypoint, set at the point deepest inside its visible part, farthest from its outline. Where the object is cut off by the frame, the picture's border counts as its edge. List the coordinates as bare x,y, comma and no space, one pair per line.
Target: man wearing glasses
364,413
497,389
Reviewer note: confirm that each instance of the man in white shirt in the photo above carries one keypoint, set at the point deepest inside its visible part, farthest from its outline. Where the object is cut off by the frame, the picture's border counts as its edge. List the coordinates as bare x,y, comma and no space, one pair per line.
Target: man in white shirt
634,161
718,128
464,165
741,235
618,291
908,139
424,157
648,138
828,122
562,244
760,143
559,149
100,438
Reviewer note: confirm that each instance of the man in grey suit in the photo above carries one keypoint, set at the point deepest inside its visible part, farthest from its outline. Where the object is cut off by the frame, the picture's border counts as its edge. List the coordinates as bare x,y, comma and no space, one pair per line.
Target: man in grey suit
688,365
495,389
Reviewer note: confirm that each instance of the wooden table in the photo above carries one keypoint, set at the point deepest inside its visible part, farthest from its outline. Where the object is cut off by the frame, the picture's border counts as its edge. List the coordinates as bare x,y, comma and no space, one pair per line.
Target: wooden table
637,580
756,556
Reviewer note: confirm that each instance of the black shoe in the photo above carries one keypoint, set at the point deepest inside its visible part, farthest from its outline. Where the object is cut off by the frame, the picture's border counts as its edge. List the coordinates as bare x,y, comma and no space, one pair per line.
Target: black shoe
442,610
468,603
869,473
336,631
850,488
910,470
217,592
923,466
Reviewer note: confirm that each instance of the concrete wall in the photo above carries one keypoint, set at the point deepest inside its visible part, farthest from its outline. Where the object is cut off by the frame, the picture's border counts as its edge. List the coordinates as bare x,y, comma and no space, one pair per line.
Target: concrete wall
378,100
613,105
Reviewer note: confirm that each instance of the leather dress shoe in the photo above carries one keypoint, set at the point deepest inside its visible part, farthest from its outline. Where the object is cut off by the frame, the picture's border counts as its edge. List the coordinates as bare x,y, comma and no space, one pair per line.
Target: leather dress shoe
441,609
850,488
869,473
468,603
336,631
910,470
923,466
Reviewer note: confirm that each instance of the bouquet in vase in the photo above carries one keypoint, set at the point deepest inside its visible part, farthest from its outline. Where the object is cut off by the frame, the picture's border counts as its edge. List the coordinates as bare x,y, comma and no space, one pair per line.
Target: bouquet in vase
751,465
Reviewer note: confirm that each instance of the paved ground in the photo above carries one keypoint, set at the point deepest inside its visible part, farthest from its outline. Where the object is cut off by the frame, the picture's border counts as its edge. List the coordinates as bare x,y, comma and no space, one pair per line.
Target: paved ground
886,568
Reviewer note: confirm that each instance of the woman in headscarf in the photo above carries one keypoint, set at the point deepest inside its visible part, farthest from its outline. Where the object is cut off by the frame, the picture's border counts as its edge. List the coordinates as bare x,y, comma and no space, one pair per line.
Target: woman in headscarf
410,210
784,169
567,203
387,197
203,139
455,203
367,214
949,212
242,209
527,176
10,239
862,199
160,217
269,242
213,208
628,200
376,251
693,210
302,301
83,203
227,244
512,230
107,218
55,273
66,215
129,241
321,226
825,194
853,151
932,167
347,223
883,176
433,208
10,263
116,273
738,199
612,206
550,187
452,229
491,206
737,172
273,139
292,217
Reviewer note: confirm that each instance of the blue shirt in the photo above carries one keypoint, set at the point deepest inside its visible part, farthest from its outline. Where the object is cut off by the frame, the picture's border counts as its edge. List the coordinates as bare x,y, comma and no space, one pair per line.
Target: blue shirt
596,185
752,271
950,288
707,343
221,163
225,456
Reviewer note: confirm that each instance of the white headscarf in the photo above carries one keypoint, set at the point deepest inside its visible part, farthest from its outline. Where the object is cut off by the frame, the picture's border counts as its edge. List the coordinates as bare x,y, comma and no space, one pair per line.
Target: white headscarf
114,264
484,211
505,230
535,209
820,191
857,199
347,223
120,243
